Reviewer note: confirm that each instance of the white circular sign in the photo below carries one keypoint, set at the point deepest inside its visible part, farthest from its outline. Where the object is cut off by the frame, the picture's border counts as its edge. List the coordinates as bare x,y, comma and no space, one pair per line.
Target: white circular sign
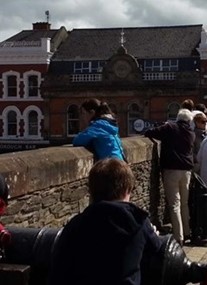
139,125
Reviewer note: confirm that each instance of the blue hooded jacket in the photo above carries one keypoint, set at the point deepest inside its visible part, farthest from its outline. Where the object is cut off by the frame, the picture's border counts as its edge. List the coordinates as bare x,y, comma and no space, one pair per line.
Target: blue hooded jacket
101,137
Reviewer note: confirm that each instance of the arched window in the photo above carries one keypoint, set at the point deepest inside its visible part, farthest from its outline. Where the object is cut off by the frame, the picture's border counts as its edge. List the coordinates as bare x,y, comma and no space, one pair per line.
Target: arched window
12,123
172,111
33,123
11,83
33,120
73,124
133,115
32,86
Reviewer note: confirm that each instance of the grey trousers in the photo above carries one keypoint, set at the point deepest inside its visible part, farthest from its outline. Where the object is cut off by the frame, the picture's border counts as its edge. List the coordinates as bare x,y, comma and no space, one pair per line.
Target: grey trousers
176,186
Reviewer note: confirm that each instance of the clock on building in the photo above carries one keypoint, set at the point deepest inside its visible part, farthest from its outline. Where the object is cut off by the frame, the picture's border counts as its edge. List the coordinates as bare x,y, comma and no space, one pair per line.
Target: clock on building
122,68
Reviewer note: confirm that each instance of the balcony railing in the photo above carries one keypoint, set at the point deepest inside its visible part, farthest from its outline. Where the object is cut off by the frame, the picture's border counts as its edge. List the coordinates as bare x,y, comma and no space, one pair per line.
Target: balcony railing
159,76
146,76
86,77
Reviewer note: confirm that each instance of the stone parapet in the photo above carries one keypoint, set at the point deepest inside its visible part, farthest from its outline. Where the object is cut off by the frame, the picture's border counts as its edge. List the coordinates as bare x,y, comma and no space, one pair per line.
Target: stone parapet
49,186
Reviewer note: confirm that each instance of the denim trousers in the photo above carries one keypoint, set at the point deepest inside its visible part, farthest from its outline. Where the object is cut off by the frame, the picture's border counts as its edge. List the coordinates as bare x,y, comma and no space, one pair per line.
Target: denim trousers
176,186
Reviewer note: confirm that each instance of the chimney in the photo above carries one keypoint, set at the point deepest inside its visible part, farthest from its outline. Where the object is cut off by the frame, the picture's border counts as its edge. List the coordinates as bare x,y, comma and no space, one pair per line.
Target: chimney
41,26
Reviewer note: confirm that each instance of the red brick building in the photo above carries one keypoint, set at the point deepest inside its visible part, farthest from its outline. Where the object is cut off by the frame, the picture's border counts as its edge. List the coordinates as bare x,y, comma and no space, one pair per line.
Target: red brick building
24,62
143,73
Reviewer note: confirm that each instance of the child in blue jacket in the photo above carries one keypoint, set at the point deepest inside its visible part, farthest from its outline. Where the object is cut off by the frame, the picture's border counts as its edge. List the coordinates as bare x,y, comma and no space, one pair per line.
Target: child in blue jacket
101,136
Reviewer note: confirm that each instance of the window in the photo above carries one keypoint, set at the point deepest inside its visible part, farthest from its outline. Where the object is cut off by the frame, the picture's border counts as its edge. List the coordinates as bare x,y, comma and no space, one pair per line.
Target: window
32,86
12,86
172,111
11,82
161,65
32,81
133,115
33,123
12,123
73,125
11,117
88,66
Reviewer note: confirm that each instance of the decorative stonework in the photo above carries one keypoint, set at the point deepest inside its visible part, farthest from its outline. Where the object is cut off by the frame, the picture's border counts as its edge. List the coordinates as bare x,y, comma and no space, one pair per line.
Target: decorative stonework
122,68
35,52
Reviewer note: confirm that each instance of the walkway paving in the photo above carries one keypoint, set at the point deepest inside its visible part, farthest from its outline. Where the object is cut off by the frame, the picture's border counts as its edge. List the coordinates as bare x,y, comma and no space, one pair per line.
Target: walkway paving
196,253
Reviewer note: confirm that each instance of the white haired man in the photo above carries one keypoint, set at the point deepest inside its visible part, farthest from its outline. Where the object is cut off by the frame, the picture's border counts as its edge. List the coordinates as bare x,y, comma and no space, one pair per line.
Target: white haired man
176,161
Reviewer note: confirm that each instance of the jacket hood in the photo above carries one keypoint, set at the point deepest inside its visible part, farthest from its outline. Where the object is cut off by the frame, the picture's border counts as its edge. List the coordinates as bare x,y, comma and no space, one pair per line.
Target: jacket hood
106,125
122,218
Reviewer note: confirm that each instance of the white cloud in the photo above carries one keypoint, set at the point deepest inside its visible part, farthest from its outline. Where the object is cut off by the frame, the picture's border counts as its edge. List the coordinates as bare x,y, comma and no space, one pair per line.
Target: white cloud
17,15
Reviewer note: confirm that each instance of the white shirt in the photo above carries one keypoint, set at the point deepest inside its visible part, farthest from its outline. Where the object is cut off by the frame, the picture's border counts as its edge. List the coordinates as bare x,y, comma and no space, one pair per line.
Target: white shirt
202,160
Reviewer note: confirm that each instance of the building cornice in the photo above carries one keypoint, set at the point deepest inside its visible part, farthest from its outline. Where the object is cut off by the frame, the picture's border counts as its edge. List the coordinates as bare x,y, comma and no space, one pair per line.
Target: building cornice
32,52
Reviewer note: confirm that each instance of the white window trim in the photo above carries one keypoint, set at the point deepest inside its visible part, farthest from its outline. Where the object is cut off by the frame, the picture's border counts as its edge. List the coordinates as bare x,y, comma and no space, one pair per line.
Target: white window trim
26,122
26,84
161,66
4,118
5,85
89,69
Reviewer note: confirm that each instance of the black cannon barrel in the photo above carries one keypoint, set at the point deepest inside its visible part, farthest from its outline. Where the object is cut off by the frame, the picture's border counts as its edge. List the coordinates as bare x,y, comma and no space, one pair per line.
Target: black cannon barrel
35,247
31,246
171,266
177,268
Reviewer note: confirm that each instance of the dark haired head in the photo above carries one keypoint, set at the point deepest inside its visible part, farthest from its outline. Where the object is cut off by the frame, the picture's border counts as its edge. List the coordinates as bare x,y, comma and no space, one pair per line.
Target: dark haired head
200,107
187,104
98,108
102,110
91,104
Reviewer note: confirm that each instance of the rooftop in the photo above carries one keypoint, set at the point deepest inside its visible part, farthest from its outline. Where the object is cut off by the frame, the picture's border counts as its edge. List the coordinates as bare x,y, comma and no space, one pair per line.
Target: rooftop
146,42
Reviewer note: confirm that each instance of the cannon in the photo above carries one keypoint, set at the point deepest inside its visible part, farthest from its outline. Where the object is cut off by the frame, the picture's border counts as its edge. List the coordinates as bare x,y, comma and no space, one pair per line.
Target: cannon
35,247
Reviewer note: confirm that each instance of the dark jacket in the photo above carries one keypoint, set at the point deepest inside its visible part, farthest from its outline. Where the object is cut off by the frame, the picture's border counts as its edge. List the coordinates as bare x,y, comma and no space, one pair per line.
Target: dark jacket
104,245
101,137
177,139
199,137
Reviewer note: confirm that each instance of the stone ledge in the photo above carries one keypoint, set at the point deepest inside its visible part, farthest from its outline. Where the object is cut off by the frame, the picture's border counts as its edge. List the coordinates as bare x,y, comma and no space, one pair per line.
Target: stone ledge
34,170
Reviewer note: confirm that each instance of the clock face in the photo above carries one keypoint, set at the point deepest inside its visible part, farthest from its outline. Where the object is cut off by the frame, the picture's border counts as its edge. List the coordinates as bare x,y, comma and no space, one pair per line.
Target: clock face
122,68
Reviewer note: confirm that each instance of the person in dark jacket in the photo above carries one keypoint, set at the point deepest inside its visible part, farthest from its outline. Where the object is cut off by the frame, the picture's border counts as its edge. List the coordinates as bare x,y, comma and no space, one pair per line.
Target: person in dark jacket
105,243
176,161
101,136
200,121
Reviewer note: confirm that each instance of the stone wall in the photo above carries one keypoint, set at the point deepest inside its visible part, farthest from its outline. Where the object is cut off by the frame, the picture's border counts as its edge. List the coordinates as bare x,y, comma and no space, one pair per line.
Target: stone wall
49,186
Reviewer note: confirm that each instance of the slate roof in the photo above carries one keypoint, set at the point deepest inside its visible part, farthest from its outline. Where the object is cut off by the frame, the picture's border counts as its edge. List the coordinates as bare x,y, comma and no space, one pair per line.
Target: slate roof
147,42
33,35
56,36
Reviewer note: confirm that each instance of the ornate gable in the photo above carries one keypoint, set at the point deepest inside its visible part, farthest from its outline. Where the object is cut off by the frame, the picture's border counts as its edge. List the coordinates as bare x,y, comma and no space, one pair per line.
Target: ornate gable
122,67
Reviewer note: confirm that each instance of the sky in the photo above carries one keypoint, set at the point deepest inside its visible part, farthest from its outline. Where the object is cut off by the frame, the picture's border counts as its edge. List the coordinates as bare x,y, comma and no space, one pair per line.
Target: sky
18,15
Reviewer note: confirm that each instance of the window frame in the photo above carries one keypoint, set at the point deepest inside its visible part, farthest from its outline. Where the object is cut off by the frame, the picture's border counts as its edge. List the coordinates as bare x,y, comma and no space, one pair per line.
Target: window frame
161,66
40,118
73,120
26,77
5,77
